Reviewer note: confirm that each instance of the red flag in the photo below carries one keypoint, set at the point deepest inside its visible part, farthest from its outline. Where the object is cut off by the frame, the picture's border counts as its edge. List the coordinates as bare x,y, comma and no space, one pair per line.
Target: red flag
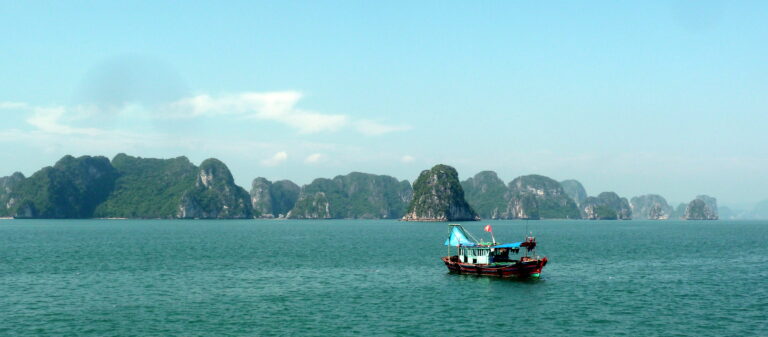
488,228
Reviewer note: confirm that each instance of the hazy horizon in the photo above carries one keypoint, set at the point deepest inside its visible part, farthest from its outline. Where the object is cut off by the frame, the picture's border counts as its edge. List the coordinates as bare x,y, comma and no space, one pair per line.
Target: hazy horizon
635,98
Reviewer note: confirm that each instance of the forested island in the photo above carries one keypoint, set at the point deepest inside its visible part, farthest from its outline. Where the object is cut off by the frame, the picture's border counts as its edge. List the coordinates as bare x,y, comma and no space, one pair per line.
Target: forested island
150,188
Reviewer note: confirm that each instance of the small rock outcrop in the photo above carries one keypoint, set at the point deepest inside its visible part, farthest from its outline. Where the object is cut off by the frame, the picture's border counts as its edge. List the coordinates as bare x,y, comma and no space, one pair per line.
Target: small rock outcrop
538,197
215,195
702,208
485,192
438,196
353,196
606,206
574,189
650,207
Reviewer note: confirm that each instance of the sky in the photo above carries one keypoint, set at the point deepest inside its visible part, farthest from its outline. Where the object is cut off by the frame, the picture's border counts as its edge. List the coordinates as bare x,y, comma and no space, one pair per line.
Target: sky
636,97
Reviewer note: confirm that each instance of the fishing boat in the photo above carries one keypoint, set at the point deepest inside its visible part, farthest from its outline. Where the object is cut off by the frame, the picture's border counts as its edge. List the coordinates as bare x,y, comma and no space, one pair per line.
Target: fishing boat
491,258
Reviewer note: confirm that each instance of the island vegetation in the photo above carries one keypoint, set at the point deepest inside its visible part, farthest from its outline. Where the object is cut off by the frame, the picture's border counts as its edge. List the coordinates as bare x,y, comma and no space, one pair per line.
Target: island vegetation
135,187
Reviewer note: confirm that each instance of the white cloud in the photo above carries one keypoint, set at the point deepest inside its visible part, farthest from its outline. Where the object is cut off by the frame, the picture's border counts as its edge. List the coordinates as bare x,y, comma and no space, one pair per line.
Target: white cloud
277,106
48,120
276,159
407,159
314,158
371,128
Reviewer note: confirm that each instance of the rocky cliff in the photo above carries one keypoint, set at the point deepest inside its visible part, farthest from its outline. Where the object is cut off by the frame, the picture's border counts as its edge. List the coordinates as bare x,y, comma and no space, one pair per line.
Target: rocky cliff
650,207
606,206
702,208
438,196
575,190
7,186
261,198
538,197
273,200
485,193
353,196
215,195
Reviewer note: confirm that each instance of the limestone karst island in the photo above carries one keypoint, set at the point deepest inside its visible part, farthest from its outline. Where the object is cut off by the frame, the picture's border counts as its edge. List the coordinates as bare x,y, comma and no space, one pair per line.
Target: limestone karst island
150,188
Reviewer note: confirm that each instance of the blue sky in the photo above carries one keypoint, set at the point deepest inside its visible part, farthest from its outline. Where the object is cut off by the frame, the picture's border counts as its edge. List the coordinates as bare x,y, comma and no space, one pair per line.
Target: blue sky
635,97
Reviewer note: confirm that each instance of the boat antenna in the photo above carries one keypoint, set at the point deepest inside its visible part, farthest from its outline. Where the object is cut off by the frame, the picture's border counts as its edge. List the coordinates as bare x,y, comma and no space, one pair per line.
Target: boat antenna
526,228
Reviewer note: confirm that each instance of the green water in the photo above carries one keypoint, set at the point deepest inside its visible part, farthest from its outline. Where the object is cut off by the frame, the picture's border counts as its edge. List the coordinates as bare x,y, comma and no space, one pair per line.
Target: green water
215,278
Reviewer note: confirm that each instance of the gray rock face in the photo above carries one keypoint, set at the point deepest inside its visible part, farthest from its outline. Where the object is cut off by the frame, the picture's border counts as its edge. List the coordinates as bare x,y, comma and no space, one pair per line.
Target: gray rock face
261,198
273,200
485,192
521,205
650,207
575,190
7,186
702,208
606,206
535,197
215,195
438,196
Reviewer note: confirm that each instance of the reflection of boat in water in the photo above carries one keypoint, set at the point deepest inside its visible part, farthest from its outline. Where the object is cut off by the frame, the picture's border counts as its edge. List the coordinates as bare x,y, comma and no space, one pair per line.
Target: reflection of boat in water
490,258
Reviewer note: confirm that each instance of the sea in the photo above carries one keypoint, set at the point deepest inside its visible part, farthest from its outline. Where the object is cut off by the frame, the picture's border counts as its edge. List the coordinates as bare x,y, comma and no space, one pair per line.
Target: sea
377,278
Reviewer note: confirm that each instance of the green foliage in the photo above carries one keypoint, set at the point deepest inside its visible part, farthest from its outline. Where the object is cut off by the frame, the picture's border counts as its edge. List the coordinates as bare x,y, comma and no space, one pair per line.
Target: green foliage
485,192
356,195
72,188
551,200
603,212
558,209
284,194
148,187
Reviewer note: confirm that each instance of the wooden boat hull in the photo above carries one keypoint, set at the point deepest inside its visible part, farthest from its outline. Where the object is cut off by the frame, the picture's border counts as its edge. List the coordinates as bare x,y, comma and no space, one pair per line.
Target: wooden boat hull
524,269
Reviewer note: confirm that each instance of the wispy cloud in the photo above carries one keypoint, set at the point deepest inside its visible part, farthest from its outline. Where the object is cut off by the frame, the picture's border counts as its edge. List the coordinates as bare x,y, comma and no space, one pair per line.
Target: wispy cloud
49,120
278,106
276,159
407,159
314,158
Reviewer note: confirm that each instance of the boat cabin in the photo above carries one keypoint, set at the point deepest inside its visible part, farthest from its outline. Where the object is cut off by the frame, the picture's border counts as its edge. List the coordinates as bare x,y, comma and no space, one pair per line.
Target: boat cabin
485,254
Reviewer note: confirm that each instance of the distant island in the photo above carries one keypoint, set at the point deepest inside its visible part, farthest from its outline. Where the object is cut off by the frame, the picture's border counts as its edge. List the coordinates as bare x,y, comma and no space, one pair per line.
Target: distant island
150,188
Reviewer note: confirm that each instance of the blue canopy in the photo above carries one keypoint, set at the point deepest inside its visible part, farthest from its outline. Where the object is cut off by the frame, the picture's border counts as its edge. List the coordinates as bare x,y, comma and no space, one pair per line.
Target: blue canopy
458,237
509,245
